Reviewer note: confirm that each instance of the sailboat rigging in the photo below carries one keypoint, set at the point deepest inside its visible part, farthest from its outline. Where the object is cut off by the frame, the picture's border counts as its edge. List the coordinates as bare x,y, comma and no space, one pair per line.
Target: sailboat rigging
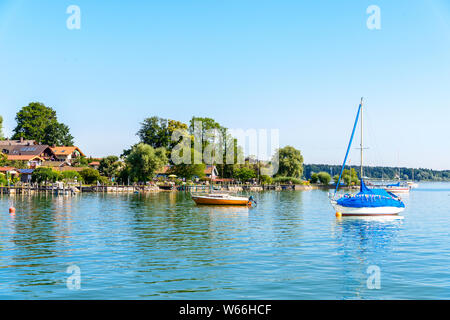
368,202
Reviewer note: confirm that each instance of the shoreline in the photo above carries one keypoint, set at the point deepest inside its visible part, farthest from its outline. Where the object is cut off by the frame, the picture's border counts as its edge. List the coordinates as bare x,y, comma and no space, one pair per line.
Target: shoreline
72,190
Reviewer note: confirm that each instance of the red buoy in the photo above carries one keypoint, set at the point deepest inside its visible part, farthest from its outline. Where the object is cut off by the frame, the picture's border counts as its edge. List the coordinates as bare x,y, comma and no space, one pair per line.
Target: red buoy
12,210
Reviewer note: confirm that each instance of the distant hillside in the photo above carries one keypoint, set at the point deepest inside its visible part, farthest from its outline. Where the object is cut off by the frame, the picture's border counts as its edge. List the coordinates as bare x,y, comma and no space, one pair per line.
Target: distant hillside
385,173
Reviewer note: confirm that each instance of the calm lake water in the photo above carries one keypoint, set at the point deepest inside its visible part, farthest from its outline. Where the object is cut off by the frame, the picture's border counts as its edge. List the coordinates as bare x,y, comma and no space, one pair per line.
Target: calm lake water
163,246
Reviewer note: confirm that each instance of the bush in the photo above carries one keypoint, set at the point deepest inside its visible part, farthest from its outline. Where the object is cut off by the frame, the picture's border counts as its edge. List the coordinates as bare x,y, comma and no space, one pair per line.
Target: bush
3,180
324,178
105,180
287,180
336,179
265,179
314,178
350,177
244,174
80,162
90,176
43,174
71,176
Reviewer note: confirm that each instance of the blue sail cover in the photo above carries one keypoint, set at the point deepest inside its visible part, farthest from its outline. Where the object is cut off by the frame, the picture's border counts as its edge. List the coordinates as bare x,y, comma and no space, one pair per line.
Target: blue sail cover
370,198
394,185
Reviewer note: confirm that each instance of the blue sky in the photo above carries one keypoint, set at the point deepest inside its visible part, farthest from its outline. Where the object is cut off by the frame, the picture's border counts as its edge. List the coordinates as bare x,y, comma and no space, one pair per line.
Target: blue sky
297,66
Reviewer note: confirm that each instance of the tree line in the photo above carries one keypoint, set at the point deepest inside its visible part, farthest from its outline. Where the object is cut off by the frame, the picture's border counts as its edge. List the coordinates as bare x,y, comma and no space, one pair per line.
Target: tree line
141,161
382,173
155,147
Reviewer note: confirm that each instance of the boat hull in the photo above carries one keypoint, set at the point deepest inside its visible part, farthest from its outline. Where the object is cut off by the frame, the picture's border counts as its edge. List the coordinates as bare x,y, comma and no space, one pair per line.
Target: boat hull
222,202
367,211
397,190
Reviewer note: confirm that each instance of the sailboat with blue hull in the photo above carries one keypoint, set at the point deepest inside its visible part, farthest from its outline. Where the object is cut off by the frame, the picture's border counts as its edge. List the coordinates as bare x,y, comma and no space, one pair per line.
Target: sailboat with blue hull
367,202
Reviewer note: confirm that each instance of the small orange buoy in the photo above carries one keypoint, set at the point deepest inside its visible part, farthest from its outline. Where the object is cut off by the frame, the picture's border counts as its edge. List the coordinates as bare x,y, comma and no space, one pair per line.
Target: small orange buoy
12,210
338,214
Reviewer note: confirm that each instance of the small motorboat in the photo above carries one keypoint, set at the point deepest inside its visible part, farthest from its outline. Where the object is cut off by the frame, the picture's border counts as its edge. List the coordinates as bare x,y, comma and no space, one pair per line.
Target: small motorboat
223,199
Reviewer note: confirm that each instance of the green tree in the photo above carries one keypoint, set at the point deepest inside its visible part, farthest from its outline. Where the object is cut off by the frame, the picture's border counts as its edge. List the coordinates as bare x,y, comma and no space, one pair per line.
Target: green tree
350,177
124,174
144,160
336,178
80,162
3,180
314,178
172,126
189,170
109,166
154,132
355,181
70,175
265,179
207,124
43,174
157,132
324,178
290,162
38,122
12,163
57,134
1,129
3,159
90,175
245,174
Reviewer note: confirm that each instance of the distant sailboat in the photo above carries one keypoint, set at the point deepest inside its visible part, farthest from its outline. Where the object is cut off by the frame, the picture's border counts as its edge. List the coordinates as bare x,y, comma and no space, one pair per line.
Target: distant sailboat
398,187
368,202
412,184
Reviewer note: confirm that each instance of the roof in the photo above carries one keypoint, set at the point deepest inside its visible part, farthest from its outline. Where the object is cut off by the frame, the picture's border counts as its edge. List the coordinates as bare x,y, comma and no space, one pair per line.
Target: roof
209,169
77,169
13,157
17,142
223,180
163,170
35,150
26,171
54,164
7,169
65,151
94,163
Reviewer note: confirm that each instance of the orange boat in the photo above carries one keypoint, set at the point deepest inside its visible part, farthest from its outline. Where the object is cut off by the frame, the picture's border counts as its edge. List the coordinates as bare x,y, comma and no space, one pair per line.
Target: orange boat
222,199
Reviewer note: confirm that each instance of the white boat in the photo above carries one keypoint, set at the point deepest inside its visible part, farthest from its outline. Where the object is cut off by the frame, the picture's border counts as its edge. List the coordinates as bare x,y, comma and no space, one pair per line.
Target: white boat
368,202
412,184
397,188
365,211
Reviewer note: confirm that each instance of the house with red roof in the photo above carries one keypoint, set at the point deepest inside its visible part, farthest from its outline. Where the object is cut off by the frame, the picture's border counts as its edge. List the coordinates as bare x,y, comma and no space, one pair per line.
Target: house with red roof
67,153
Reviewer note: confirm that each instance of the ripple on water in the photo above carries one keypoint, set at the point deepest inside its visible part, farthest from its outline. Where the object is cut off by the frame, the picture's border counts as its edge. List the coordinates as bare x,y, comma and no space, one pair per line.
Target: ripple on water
162,246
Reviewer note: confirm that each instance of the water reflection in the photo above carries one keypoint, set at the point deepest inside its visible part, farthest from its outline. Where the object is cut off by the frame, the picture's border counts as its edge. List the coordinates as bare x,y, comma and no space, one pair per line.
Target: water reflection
362,242
164,246
35,232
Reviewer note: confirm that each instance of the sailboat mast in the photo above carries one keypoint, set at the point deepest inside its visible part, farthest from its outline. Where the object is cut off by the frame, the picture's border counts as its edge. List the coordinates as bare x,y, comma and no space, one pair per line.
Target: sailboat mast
362,138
